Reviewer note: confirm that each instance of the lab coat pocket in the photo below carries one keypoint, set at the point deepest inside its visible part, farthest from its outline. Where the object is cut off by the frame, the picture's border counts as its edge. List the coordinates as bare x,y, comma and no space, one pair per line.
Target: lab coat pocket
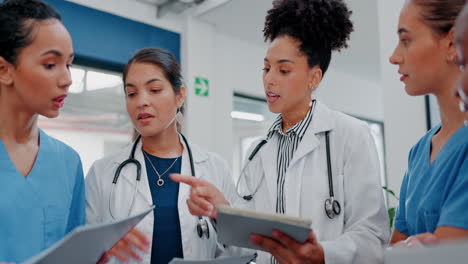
55,224
431,219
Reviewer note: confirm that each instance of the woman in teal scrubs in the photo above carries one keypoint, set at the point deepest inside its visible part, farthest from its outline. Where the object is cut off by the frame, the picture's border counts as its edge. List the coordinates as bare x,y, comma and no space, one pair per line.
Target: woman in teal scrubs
42,194
434,197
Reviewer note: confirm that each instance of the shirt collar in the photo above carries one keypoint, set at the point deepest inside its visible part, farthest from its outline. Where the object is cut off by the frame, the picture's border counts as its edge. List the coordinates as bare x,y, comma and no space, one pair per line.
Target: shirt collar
298,129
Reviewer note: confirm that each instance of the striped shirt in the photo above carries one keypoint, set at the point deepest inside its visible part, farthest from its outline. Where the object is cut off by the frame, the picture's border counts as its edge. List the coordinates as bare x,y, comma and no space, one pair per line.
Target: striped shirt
287,145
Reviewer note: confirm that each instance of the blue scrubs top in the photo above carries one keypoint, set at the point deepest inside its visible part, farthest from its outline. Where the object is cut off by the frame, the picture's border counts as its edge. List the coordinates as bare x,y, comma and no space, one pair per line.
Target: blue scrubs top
167,238
38,210
436,194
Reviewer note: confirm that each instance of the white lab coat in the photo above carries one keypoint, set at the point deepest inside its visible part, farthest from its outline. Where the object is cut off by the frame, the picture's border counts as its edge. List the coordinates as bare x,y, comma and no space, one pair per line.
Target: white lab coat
208,166
360,232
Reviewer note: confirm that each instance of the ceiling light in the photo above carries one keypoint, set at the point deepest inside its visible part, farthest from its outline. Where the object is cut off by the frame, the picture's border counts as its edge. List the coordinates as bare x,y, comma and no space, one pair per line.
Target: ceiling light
247,116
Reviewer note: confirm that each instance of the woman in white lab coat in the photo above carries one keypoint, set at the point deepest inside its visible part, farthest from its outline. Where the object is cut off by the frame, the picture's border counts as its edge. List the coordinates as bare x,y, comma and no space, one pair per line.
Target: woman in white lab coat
290,170
154,96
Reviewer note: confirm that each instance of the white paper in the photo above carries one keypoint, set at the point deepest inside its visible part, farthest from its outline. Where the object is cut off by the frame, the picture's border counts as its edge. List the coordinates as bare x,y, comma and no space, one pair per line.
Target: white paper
222,260
86,244
234,226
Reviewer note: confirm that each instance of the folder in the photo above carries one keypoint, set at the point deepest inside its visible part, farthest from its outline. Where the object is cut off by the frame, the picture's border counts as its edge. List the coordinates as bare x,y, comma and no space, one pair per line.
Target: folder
235,225
86,244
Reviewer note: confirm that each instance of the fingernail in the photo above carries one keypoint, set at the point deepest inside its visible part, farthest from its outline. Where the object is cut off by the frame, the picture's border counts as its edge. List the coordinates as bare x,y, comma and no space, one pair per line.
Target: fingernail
253,239
276,234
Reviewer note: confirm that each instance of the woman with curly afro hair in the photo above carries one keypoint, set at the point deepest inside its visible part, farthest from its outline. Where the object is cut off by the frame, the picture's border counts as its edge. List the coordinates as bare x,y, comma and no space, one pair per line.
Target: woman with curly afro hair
290,173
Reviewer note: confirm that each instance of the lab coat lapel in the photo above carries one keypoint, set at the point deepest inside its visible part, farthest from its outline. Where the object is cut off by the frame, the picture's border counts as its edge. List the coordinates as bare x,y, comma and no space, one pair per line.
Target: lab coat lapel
198,157
186,219
320,122
295,173
184,189
269,164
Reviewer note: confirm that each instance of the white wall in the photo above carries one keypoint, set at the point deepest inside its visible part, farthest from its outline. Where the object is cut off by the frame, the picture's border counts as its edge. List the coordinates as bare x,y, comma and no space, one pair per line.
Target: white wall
239,64
198,61
231,65
351,94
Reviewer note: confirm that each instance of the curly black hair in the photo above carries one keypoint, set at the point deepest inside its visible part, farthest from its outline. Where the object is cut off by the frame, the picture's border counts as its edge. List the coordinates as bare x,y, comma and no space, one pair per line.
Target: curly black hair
321,26
17,21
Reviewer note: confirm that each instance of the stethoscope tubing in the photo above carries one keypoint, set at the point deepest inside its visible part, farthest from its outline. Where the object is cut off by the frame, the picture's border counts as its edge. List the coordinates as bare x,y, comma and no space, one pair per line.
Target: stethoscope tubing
202,225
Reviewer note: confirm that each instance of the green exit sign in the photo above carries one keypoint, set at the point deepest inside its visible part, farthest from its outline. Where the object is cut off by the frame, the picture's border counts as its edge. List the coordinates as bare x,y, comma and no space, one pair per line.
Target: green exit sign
202,86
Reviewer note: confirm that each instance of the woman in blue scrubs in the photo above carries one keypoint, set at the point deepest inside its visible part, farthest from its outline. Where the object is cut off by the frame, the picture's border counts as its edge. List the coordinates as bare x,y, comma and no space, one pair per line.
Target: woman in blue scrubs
434,197
42,194
461,44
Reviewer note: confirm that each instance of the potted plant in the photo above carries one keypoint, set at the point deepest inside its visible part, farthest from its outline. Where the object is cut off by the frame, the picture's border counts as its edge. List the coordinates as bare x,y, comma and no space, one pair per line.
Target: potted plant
391,210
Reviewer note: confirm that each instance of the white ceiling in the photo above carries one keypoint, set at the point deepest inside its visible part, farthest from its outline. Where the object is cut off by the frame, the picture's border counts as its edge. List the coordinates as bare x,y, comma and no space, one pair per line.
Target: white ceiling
244,19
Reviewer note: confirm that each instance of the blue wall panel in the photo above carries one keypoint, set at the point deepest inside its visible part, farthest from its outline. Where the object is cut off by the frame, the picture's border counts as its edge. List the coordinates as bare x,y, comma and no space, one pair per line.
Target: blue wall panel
107,41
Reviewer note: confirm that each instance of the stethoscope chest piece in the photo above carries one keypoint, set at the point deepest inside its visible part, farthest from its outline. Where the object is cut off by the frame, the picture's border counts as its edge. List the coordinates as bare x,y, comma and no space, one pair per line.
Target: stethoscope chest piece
332,207
202,228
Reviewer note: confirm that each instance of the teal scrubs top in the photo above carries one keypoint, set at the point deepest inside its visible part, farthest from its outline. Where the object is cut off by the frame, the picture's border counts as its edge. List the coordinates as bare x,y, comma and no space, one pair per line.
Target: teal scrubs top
435,194
38,210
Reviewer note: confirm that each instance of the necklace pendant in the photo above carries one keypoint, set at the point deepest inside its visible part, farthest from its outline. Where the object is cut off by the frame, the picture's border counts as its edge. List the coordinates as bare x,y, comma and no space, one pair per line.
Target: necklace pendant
160,182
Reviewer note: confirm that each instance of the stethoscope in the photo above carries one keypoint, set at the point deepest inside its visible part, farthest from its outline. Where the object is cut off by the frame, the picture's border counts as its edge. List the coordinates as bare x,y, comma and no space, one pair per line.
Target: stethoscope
332,206
202,226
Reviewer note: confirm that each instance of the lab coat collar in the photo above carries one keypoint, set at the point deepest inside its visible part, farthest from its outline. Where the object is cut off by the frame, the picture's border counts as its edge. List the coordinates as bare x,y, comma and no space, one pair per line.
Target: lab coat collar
198,154
322,120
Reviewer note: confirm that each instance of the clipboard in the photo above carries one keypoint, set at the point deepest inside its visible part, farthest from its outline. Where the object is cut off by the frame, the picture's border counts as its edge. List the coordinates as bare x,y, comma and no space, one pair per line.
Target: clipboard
234,226
86,244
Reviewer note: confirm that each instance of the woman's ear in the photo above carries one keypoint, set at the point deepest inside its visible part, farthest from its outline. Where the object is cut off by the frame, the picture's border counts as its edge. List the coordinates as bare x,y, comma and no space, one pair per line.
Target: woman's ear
180,97
5,72
449,43
315,76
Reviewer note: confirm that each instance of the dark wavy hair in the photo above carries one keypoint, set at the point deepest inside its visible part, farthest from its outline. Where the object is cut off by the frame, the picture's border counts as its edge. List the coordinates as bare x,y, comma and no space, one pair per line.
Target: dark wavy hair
321,26
161,58
18,18
440,15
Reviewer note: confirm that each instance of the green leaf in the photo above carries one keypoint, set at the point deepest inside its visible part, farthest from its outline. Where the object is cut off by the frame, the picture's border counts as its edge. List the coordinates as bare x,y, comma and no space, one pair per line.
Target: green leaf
390,191
391,215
